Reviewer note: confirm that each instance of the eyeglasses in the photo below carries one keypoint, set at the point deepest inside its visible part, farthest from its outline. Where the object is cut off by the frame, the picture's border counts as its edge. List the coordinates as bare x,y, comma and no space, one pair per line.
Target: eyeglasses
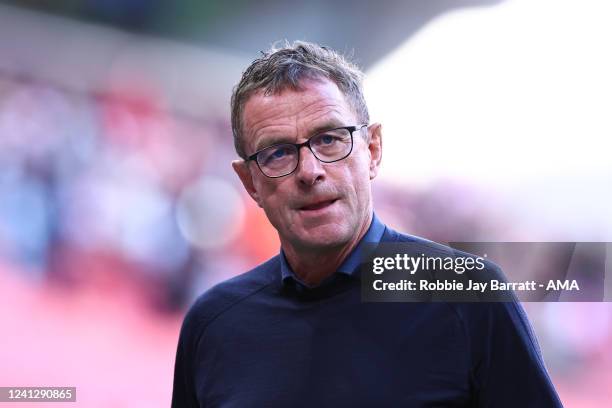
329,146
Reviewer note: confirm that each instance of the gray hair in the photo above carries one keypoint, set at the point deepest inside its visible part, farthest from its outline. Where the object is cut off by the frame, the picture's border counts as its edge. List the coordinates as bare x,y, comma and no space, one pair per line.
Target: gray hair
285,67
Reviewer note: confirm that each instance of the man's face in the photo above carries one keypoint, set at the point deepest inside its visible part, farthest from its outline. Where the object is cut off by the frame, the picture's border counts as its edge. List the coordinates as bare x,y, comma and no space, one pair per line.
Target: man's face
319,205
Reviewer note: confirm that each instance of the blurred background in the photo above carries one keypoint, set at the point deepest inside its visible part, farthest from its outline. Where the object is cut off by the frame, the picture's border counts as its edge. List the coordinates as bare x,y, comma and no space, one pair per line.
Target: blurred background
118,204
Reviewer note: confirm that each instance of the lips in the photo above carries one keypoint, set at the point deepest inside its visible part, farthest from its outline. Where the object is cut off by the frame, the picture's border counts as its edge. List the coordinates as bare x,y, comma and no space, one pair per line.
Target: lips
318,205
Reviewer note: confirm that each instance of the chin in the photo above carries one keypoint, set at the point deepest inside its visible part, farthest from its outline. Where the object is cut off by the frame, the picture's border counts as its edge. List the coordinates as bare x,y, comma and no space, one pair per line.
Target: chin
324,236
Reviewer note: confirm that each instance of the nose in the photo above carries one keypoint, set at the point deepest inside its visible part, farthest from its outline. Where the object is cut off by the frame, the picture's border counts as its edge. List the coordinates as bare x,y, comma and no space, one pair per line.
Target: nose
310,169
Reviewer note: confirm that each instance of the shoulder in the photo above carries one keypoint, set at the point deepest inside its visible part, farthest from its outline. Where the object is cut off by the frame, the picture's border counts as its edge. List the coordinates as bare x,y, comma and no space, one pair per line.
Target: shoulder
477,319
486,317
507,364
224,296
507,368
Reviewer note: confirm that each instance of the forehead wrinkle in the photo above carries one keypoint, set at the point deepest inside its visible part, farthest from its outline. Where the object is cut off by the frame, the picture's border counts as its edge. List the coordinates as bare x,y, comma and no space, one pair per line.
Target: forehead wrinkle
315,110
296,131
260,135
318,117
265,106
294,116
254,129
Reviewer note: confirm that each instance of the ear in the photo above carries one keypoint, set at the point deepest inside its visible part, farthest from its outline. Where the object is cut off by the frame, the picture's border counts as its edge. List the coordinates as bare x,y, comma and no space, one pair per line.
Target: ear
375,147
241,168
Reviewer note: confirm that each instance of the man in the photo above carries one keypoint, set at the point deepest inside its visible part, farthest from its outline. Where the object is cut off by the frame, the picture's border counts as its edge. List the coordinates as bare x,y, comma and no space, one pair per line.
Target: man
294,331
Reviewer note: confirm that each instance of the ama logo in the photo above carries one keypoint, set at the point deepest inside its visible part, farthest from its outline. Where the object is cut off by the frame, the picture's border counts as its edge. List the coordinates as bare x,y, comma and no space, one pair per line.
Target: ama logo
562,285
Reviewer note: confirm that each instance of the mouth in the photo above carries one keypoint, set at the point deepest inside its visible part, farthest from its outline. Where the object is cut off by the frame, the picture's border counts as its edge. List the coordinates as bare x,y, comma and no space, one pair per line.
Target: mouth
319,205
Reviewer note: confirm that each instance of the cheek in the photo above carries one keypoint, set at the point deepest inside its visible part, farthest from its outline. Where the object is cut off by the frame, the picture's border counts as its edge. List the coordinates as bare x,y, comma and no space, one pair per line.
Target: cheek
358,177
273,198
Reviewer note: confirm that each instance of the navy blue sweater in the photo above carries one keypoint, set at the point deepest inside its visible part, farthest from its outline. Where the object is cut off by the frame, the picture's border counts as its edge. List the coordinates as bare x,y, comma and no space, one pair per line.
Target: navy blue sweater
256,341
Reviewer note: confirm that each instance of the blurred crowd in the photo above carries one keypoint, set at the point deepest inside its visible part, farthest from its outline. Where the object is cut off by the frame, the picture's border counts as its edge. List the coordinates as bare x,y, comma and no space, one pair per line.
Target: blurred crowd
112,188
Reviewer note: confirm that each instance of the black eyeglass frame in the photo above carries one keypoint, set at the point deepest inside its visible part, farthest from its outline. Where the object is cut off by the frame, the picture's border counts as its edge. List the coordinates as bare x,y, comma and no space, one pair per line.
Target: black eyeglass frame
298,146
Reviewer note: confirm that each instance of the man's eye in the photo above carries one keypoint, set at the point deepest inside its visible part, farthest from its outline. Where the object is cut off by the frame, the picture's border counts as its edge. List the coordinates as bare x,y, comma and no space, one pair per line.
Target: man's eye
278,153
325,140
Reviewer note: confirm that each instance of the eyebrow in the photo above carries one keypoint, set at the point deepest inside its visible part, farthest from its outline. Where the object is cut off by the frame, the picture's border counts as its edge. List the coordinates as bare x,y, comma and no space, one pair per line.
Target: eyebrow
266,141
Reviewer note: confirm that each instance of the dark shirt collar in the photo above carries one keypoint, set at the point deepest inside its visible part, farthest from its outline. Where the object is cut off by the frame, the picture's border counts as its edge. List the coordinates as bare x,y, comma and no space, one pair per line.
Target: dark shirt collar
351,263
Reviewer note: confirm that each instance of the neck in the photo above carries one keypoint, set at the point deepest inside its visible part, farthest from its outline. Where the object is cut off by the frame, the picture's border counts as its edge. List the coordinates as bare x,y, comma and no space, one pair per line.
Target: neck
313,264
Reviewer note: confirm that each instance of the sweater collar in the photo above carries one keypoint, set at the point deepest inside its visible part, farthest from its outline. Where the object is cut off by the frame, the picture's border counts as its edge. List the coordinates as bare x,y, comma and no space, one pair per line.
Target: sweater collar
350,265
